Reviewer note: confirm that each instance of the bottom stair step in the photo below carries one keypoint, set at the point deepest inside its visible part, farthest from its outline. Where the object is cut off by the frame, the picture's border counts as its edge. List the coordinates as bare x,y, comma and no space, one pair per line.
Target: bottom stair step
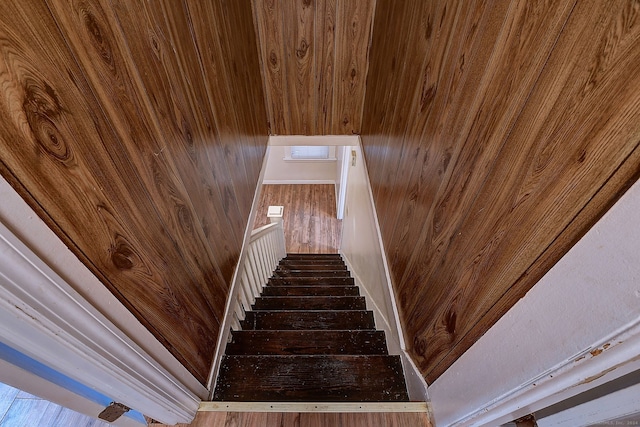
311,378
299,320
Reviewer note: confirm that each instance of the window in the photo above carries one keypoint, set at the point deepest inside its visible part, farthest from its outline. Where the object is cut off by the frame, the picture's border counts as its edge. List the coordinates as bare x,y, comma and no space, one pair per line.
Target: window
310,152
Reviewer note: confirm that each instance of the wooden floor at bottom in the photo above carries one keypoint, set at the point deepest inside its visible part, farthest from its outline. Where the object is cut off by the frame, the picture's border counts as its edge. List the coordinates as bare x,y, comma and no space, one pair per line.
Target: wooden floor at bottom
309,220
292,419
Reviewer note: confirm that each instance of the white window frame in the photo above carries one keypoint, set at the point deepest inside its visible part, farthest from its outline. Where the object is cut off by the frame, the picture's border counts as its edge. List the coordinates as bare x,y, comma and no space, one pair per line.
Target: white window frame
288,158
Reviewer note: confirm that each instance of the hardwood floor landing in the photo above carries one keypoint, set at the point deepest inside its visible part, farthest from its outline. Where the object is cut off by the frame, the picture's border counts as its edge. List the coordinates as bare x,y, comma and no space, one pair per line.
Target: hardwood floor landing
309,219
294,419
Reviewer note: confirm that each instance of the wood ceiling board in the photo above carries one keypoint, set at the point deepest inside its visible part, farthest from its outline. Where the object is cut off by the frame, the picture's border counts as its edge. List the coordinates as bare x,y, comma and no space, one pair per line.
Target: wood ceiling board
353,34
500,77
325,62
193,117
246,88
388,50
269,20
579,126
77,184
99,137
300,57
422,74
314,57
112,70
211,37
486,76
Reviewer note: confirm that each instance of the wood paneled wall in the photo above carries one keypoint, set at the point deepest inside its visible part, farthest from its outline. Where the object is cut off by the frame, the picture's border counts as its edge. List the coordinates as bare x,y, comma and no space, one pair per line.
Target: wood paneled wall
314,56
496,133
137,131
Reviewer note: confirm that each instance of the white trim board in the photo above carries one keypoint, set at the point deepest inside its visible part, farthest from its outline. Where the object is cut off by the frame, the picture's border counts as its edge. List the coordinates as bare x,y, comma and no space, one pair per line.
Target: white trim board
288,140
609,409
577,328
315,407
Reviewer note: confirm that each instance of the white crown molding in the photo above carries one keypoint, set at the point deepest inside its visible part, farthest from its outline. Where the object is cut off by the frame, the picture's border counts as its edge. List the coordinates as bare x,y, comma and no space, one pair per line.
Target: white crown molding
316,407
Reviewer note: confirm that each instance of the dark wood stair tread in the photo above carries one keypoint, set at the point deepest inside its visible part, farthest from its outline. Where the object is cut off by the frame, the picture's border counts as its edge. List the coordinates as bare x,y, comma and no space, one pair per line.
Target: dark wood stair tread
306,262
306,342
302,281
309,338
309,303
317,290
299,320
370,378
316,267
311,273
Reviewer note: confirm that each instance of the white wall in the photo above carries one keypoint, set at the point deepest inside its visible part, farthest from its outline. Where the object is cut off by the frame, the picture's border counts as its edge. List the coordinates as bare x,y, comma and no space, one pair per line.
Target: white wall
577,328
280,171
362,250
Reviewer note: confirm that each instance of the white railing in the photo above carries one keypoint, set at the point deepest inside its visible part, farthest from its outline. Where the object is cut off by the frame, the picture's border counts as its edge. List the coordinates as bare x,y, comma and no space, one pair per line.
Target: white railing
266,249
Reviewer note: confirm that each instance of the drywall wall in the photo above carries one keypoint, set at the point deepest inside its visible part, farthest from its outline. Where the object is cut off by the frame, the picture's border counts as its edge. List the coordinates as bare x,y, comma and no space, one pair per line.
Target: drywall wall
281,171
567,319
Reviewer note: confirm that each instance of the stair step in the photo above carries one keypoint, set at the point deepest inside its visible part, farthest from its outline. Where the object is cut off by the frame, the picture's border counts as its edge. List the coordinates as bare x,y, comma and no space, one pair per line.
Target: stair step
300,320
306,342
306,262
313,256
311,378
316,267
311,281
317,290
311,273
309,303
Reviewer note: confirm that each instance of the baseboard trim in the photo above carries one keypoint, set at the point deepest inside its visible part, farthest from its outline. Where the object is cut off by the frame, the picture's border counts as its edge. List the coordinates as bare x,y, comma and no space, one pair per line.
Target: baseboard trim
336,407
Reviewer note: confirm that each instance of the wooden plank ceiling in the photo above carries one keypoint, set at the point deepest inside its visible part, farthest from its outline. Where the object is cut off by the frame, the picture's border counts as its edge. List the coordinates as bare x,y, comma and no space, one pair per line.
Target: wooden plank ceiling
314,56
496,133
125,130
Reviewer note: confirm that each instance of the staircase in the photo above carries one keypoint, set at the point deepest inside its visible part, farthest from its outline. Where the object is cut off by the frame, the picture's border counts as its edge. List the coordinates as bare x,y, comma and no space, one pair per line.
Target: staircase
309,338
